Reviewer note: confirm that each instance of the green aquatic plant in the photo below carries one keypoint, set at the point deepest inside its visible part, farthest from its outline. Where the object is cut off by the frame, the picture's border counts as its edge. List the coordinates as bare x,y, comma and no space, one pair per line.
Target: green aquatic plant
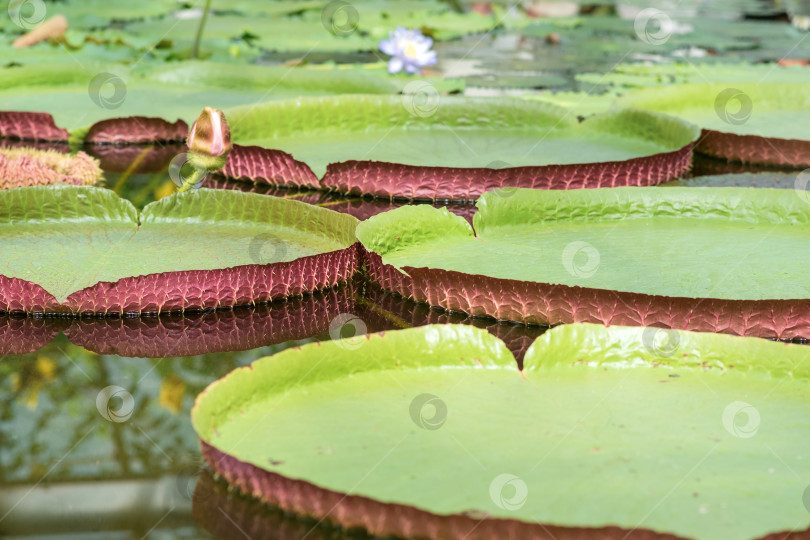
434,432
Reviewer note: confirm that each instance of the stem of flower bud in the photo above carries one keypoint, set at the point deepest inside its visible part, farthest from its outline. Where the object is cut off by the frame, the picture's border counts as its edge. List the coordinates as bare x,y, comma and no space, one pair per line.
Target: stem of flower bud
195,49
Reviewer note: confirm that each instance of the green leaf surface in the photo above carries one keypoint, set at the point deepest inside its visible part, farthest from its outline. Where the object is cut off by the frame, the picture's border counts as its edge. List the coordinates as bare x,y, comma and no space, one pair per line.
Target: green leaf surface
729,243
297,34
66,238
86,14
604,428
777,110
78,97
579,103
425,129
640,75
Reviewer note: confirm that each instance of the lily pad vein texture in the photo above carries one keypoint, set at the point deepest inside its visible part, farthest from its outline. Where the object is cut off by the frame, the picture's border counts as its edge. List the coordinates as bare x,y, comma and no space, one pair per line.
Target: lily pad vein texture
434,433
423,146
729,260
84,250
764,123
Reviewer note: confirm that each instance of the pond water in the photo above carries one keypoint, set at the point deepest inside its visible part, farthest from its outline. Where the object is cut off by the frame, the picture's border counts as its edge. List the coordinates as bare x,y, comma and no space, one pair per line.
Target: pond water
95,436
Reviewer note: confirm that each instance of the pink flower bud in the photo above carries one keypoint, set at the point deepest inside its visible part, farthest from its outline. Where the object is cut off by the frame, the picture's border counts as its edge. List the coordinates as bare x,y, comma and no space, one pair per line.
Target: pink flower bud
210,135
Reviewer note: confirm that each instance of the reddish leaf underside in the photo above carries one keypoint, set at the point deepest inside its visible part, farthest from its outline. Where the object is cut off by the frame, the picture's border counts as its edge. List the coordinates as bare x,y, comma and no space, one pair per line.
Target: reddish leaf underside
30,126
136,130
35,126
392,311
231,330
265,166
754,149
548,304
392,180
188,290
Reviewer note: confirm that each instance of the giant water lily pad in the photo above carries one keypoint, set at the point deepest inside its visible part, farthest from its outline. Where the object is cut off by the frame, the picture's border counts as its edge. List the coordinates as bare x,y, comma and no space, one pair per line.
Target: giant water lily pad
85,250
606,433
766,123
79,97
424,146
713,259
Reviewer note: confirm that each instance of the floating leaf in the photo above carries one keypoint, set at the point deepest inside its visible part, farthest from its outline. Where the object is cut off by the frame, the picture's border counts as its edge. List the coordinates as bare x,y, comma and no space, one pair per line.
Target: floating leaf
426,146
722,260
94,253
766,123
434,433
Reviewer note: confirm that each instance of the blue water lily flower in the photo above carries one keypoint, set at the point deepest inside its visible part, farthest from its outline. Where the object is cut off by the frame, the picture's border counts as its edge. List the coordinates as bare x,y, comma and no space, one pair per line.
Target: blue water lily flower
408,49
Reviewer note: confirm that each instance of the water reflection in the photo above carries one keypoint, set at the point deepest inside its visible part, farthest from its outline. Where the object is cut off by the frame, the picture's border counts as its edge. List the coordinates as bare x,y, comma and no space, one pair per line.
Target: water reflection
226,514
165,336
108,401
134,158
